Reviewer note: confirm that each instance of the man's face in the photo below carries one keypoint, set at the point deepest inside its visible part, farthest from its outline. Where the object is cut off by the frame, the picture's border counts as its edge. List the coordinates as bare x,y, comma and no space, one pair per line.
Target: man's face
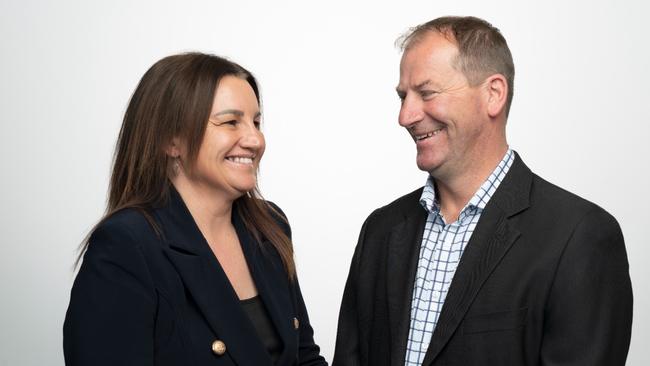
445,116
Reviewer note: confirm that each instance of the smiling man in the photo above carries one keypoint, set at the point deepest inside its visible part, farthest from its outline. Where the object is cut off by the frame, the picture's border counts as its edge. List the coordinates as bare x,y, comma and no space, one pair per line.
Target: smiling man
487,264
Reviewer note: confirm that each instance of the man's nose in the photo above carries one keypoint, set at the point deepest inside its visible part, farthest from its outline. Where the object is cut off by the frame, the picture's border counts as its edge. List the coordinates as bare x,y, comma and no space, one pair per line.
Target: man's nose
410,112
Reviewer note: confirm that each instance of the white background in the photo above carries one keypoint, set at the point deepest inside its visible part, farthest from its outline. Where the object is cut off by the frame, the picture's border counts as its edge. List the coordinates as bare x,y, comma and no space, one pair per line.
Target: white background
334,150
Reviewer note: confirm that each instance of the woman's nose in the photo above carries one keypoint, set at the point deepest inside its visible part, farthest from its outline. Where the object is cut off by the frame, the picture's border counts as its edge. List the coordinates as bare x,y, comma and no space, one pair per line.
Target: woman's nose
253,137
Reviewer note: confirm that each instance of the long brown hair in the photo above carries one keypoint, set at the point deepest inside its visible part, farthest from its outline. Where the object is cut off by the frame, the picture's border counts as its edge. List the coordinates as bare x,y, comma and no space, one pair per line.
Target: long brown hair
173,100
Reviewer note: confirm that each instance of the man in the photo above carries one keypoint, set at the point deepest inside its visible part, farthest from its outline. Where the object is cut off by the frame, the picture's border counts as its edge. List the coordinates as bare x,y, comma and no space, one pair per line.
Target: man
488,264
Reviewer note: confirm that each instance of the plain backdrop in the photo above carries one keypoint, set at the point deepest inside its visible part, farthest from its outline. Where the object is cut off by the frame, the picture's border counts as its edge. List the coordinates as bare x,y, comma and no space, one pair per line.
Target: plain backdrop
335,152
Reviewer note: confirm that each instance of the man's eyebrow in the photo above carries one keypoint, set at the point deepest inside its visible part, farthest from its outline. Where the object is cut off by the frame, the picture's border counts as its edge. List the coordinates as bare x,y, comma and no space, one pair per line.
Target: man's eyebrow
417,87
423,84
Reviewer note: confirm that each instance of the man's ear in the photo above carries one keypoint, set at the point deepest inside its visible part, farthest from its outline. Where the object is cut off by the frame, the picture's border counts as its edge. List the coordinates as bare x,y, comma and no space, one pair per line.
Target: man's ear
497,92
173,149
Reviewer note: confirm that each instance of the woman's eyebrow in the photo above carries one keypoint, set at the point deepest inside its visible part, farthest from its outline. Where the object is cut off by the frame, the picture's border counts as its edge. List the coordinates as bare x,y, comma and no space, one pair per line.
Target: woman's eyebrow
236,112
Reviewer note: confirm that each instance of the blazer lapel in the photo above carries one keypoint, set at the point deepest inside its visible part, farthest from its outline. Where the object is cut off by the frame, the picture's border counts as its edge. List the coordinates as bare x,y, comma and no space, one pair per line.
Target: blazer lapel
403,251
208,284
272,286
491,239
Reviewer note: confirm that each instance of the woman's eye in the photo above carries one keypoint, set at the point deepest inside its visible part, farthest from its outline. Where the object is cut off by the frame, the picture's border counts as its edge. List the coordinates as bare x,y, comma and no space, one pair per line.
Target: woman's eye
257,124
232,122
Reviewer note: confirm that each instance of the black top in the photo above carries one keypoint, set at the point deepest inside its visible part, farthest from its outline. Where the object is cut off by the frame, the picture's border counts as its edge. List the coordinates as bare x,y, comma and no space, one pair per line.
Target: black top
258,315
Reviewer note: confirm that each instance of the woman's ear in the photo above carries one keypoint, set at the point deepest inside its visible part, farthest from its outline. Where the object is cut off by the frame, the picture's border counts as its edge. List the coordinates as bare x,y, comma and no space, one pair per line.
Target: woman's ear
173,149
497,89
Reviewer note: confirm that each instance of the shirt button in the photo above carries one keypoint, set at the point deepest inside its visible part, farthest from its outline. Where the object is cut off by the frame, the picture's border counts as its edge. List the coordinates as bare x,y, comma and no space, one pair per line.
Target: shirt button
218,347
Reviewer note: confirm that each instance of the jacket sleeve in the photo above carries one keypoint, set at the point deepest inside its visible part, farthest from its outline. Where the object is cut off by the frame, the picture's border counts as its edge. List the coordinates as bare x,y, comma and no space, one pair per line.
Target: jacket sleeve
588,316
110,319
348,347
308,350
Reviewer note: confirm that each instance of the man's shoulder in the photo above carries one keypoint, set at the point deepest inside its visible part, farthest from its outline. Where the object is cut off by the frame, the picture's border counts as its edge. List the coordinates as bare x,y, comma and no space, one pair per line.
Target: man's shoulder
546,199
550,195
394,212
555,206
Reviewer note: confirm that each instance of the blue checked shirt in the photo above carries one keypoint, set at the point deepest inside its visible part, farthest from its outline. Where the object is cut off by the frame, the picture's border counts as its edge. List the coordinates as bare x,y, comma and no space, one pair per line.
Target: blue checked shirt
442,247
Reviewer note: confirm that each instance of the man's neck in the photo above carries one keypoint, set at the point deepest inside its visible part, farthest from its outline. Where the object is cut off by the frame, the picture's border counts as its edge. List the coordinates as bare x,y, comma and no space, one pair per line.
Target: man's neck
455,192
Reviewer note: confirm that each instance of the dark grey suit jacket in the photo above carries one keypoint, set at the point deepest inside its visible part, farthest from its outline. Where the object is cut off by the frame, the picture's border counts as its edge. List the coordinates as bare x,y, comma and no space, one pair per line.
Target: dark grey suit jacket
544,280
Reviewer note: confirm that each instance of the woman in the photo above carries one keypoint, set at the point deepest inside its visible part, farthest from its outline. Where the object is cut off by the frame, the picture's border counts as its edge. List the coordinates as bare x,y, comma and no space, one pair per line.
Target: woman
189,266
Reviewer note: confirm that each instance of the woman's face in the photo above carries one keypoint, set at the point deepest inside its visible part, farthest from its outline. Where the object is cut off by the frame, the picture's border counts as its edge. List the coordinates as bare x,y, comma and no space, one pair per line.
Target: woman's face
233,143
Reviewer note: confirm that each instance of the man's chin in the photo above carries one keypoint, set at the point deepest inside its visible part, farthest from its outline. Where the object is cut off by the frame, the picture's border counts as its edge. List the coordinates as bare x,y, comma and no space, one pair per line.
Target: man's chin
427,166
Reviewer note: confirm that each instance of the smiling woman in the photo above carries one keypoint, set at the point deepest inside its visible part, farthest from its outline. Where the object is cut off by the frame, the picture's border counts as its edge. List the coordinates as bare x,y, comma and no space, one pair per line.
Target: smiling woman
232,145
189,266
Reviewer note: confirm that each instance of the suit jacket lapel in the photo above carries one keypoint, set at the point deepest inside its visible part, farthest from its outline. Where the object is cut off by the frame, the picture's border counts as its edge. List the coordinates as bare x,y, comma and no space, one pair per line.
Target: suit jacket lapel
208,284
403,251
491,239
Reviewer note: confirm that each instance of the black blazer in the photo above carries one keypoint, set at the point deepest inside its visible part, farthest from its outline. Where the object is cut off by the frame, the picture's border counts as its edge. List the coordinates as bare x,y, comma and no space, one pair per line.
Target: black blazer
139,299
543,281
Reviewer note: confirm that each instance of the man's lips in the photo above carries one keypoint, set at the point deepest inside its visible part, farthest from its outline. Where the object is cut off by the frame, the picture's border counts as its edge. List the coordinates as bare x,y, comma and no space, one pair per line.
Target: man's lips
423,136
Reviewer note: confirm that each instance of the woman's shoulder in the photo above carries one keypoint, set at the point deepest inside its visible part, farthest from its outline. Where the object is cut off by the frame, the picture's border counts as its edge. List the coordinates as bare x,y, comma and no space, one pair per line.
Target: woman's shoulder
126,227
279,216
275,210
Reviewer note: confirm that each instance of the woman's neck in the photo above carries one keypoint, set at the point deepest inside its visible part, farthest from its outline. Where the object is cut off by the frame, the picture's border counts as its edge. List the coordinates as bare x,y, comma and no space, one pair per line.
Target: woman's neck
211,210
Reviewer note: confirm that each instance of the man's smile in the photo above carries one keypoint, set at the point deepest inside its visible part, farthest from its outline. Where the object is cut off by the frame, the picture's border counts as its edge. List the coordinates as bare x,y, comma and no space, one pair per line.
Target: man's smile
424,136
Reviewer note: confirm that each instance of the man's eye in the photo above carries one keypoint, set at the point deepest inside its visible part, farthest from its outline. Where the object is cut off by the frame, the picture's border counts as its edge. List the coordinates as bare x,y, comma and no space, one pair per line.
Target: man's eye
257,124
427,93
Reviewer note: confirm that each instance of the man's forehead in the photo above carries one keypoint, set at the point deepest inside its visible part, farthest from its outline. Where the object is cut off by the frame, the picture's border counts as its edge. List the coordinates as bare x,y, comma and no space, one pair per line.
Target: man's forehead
430,56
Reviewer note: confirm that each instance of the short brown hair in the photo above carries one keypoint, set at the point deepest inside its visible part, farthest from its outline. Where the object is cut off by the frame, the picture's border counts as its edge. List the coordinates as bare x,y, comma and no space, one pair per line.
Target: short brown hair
482,50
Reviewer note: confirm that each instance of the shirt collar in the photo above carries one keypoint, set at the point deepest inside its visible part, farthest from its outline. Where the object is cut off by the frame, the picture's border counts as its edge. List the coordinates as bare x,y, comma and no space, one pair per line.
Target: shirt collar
479,200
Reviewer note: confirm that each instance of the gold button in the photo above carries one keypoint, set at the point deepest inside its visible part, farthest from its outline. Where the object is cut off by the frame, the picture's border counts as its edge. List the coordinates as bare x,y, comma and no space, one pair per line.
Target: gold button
218,348
296,323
